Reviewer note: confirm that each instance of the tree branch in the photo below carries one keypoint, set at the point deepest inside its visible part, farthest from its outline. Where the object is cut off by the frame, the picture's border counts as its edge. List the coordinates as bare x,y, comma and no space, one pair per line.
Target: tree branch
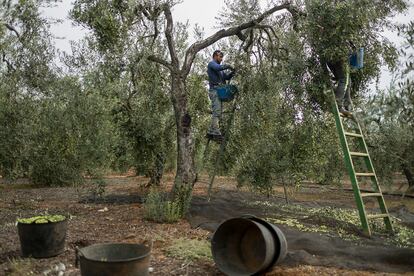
199,45
265,28
169,36
156,32
134,85
9,65
250,42
151,15
11,28
241,36
160,61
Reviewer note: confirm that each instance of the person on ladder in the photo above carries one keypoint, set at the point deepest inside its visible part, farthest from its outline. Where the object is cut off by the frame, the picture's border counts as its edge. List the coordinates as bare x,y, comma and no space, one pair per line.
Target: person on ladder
217,75
340,70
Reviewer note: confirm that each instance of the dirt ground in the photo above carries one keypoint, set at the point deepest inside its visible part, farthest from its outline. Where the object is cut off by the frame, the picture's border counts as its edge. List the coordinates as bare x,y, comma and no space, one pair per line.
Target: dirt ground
338,249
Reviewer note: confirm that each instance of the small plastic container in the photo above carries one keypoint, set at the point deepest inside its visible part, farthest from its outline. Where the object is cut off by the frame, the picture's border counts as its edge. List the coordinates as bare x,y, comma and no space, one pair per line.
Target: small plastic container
356,60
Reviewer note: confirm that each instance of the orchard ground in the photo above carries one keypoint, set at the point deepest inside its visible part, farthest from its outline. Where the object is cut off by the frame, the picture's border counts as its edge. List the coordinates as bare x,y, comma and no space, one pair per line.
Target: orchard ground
320,223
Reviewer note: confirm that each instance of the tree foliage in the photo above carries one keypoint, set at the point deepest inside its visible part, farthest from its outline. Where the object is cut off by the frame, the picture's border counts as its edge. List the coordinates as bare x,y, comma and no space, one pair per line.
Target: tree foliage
132,94
54,131
284,133
390,120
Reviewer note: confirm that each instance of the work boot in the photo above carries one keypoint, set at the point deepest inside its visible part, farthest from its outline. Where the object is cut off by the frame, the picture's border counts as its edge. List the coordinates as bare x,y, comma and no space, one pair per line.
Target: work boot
214,129
216,138
344,111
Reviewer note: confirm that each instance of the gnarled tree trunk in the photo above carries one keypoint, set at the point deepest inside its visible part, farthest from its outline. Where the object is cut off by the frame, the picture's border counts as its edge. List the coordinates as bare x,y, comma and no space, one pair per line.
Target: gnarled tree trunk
185,176
408,175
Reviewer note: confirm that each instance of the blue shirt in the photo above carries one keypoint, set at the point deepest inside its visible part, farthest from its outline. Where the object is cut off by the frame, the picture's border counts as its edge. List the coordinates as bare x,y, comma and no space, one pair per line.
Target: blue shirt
216,74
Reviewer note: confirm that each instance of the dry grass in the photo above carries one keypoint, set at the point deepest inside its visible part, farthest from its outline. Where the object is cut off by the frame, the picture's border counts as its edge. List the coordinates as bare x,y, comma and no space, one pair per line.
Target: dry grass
189,249
20,267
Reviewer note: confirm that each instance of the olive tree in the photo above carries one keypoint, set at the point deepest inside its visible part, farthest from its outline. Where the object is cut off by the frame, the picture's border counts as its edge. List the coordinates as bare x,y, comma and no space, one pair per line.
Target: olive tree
53,130
161,41
389,119
285,131
25,73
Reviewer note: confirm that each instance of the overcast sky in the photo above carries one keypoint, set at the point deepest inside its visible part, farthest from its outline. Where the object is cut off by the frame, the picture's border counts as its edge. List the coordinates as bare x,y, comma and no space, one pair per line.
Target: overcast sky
201,12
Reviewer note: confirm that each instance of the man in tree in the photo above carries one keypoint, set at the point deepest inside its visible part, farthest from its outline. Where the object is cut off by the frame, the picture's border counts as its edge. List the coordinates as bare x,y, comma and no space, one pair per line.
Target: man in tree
216,76
340,69
332,35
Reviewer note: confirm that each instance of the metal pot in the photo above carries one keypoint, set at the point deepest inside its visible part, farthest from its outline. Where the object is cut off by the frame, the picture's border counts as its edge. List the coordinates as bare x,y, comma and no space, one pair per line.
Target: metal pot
247,246
114,259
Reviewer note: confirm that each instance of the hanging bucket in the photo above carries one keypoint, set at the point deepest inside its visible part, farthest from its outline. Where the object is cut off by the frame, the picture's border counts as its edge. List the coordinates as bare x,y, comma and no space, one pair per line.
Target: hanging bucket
356,60
226,92
247,246
114,259
42,240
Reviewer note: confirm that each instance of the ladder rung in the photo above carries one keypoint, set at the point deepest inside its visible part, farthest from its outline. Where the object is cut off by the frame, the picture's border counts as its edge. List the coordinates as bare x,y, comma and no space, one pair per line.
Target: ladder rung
358,154
365,174
377,216
371,194
353,134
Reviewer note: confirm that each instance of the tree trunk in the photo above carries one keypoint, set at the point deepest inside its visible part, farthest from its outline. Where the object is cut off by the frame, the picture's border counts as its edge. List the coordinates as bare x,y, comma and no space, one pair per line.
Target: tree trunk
185,176
406,169
285,191
157,171
409,175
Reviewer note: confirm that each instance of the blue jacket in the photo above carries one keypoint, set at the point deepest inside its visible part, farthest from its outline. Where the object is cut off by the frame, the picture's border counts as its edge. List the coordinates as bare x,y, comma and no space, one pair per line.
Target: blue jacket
216,74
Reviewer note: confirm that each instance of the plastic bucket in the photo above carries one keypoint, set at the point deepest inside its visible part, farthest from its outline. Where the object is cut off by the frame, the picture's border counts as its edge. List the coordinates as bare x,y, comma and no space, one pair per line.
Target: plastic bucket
114,259
226,92
356,60
247,246
42,240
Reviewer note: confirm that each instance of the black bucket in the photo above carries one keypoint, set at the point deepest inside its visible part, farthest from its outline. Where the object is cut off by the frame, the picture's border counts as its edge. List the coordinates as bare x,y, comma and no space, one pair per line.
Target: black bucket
42,240
247,246
114,259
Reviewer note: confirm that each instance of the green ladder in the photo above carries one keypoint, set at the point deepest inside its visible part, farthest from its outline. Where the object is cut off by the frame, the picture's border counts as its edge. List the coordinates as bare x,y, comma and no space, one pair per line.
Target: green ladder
350,159
221,149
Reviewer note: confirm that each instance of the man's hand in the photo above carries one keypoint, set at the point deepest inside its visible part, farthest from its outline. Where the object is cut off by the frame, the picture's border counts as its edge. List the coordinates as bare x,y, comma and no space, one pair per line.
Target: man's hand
226,66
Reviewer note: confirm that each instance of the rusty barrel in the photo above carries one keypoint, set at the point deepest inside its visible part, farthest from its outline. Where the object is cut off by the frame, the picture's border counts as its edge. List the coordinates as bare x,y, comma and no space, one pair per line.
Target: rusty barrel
247,246
114,259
